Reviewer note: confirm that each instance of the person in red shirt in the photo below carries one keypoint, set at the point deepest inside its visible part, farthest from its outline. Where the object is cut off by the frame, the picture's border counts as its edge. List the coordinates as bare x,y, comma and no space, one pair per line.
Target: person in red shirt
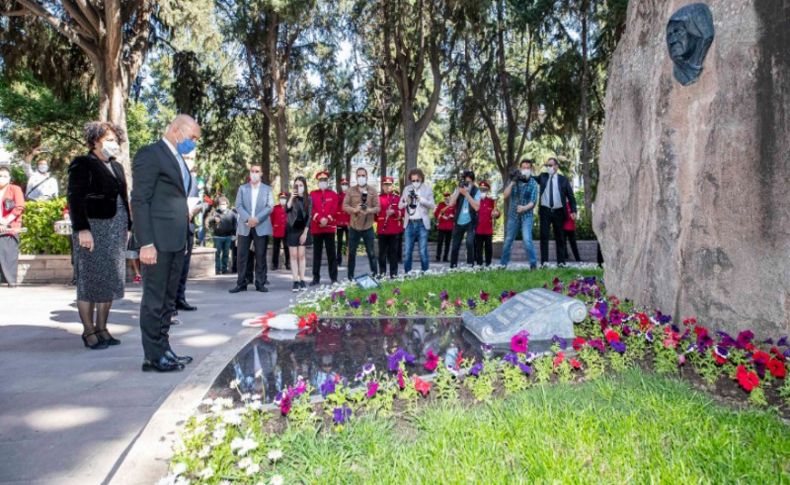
484,233
342,221
279,222
569,228
12,204
323,226
389,226
445,219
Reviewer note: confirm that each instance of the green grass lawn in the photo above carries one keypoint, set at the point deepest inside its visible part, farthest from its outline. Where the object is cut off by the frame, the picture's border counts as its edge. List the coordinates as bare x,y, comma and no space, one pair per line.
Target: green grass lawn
458,285
632,428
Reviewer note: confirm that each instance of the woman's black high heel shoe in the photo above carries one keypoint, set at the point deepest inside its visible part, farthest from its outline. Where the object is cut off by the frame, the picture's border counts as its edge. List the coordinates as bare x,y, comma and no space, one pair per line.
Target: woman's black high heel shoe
105,336
100,344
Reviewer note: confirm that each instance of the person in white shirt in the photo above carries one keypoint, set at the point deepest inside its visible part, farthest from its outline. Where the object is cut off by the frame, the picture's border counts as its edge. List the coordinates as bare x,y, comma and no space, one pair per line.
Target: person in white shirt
41,185
418,203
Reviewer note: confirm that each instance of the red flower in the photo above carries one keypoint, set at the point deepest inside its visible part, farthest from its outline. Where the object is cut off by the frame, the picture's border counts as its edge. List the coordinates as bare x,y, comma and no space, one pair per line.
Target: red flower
701,331
559,358
431,361
578,342
612,336
777,368
483,295
777,354
459,359
422,386
718,358
644,322
575,363
761,357
747,379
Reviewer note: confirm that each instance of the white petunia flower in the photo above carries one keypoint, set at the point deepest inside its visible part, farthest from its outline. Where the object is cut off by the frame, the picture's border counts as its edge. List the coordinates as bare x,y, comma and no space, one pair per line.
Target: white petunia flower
277,480
243,445
206,473
179,468
253,469
275,455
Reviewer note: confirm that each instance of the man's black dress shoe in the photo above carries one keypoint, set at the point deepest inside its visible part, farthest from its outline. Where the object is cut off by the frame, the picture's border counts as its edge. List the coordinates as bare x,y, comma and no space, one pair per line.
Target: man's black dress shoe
183,305
162,364
237,289
262,289
315,283
181,359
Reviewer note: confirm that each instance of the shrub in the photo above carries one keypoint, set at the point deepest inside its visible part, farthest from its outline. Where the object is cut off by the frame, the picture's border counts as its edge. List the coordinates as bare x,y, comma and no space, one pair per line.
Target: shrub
39,219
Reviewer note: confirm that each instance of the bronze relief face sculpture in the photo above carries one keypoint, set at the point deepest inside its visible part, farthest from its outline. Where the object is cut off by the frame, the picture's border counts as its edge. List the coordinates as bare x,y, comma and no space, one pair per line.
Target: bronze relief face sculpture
689,35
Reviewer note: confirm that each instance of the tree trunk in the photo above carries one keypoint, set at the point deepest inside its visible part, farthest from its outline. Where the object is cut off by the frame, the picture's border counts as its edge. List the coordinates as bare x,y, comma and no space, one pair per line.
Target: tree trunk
112,103
411,139
383,148
282,148
266,130
585,148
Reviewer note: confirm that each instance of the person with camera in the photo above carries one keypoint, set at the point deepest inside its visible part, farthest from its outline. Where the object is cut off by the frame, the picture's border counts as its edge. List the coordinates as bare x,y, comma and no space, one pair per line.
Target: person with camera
466,200
12,204
522,192
555,193
484,233
343,220
362,204
389,227
418,203
222,223
445,220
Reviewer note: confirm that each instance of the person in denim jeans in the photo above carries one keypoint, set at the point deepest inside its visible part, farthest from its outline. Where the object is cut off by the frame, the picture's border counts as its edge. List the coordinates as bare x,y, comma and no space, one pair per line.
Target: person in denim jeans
522,190
222,222
418,203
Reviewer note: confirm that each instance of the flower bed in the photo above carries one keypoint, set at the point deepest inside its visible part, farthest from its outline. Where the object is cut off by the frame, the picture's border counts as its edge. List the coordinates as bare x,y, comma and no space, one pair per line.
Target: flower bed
615,337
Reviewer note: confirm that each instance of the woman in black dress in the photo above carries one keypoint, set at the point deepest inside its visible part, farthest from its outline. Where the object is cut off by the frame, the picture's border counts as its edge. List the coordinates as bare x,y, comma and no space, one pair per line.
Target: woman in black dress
99,209
297,231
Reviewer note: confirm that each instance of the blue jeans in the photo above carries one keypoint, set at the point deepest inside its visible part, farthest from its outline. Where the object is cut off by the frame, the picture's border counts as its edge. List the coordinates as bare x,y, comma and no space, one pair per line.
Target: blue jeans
222,246
414,231
514,223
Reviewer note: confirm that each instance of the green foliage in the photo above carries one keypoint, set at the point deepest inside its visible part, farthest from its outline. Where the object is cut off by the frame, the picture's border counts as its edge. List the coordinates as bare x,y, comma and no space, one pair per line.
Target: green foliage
543,367
594,366
513,379
137,127
39,219
445,384
784,391
665,360
482,386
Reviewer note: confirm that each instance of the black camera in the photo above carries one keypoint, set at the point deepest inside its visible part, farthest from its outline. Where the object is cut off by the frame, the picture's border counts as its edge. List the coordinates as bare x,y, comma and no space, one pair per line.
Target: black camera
515,176
464,175
412,199
364,201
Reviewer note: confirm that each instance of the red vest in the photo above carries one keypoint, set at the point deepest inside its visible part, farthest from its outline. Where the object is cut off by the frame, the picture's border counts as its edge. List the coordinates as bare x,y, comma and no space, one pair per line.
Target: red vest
343,218
324,204
393,224
445,216
485,221
279,221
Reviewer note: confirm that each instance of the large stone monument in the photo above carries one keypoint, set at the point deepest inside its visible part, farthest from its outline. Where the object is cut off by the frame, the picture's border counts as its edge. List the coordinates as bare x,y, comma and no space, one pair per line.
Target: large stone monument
693,205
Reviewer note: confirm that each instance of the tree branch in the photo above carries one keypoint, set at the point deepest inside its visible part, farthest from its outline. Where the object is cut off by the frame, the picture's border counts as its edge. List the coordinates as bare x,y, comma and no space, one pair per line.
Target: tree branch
74,35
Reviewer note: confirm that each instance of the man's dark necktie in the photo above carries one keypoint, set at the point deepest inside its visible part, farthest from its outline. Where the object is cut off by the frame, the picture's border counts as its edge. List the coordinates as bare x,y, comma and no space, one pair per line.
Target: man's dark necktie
551,191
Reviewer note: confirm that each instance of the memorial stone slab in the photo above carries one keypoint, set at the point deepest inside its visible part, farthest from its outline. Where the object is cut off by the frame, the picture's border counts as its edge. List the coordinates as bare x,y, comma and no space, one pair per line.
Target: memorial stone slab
541,312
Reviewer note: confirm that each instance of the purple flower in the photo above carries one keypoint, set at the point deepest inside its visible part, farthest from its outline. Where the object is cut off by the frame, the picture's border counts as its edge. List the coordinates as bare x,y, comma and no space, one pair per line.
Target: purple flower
395,359
618,347
476,369
597,344
744,338
373,298
721,351
444,295
559,341
599,310
368,368
359,376
663,319
525,368
782,341
471,303
355,303
396,291
649,336
328,387
341,415
512,358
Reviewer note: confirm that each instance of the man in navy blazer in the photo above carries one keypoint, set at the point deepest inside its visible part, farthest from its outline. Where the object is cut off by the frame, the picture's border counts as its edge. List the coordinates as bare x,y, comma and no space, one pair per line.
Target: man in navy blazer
555,194
160,184
254,203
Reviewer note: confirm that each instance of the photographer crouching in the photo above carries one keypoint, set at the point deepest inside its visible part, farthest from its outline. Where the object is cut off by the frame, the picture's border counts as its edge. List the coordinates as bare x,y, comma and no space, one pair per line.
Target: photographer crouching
418,202
466,199
522,190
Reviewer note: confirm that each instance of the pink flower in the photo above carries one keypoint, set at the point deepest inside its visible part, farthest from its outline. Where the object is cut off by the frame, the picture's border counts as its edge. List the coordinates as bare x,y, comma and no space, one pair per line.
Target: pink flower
520,342
483,295
373,386
431,361
401,382
390,302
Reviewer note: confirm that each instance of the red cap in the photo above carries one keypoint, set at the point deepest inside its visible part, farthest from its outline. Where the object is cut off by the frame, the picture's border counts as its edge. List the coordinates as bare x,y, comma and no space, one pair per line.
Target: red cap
323,174
387,180
283,195
485,185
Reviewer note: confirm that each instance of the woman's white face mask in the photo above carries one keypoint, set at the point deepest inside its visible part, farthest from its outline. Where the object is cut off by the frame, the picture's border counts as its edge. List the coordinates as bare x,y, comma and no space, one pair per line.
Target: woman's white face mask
300,189
5,179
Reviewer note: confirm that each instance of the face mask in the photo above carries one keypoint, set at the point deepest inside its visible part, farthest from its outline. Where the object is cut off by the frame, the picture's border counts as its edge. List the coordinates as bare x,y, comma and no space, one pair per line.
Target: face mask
4,180
43,168
446,201
362,180
416,185
187,145
344,187
299,189
110,149
223,208
323,185
255,178
282,201
552,170
526,172
483,194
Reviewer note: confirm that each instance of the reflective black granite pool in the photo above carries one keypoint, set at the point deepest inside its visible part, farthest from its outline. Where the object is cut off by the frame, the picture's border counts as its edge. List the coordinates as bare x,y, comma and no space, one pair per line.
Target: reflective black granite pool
341,346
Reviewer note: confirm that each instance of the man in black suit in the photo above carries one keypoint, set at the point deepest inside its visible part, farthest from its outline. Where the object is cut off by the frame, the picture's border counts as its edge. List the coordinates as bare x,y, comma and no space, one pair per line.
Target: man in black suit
555,193
194,193
160,184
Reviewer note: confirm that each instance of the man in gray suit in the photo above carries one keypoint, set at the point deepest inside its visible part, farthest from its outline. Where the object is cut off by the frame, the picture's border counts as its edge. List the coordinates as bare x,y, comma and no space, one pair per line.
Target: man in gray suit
254,203
160,184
